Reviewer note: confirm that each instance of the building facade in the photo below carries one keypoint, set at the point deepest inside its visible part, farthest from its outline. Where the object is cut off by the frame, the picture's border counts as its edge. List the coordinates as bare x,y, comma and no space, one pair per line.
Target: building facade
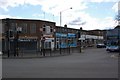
27,34
31,35
113,36
65,37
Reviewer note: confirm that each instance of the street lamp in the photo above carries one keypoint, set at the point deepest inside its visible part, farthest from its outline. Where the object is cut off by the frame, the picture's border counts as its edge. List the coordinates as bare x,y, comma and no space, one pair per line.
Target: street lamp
61,24
61,15
18,30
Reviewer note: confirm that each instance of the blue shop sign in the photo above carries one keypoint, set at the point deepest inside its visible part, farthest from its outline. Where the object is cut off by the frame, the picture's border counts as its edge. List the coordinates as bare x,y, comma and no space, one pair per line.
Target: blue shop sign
61,35
71,35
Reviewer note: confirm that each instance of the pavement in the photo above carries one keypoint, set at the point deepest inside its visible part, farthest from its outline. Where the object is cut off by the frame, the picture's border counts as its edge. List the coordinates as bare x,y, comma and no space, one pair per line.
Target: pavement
91,63
35,54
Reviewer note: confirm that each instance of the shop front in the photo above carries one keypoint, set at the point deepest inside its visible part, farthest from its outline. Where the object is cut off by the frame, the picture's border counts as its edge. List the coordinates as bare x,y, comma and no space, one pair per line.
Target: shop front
23,44
27,44
61,40
72,41
49,42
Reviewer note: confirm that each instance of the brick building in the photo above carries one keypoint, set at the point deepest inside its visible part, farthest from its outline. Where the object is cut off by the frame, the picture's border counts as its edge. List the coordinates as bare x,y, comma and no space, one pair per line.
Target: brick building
31,35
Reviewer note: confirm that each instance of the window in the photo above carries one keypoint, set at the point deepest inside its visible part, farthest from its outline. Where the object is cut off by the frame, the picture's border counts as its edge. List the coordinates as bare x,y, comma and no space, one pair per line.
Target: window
51,29
3,28
48,29
32,28
58,29
13,26
62,29
44,28
24,27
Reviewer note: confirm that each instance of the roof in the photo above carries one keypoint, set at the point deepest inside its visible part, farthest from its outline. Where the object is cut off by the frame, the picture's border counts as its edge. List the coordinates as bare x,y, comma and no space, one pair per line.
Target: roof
28,20
118,26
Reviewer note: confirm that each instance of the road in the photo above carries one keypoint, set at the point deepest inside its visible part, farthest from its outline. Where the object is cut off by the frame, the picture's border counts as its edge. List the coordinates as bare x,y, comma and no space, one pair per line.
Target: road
91,63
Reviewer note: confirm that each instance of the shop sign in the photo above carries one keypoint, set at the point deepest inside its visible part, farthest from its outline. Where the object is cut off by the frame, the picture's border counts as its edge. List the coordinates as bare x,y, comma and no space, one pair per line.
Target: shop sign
61,35
71,35
47,35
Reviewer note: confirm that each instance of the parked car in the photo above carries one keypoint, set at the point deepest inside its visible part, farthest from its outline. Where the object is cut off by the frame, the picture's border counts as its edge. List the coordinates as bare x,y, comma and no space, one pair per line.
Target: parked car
112,48
101,46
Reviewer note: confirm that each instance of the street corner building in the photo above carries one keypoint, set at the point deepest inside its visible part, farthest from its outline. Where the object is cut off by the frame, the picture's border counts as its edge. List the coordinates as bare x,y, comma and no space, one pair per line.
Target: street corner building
26,34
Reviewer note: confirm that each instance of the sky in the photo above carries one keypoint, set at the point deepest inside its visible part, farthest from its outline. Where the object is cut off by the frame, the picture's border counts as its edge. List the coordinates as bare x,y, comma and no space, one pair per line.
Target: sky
88,14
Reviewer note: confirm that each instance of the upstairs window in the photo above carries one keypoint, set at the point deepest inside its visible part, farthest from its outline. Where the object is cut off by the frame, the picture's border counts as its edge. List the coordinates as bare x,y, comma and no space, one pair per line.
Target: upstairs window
44,28
24,27
32,28
13,26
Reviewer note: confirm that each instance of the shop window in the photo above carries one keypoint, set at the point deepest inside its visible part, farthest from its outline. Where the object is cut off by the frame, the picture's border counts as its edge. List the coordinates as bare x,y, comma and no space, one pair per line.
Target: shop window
47,45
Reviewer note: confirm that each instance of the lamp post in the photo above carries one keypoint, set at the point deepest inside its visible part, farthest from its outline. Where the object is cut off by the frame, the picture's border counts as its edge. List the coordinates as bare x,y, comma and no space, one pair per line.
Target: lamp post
80,39
61,24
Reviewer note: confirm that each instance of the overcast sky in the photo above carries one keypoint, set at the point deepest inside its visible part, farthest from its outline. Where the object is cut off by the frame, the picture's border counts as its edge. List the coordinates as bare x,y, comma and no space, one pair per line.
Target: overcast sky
88,14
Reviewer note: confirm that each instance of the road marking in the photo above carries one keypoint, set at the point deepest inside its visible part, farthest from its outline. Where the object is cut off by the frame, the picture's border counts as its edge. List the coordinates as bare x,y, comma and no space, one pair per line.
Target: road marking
114,56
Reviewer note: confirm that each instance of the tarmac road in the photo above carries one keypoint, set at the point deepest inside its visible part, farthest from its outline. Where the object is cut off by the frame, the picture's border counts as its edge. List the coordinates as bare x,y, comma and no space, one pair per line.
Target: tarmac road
91,63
